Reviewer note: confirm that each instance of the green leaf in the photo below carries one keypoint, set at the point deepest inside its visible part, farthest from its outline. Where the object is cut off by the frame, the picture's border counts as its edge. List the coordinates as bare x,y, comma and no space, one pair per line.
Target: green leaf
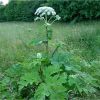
48,71
61,58
36,42
41,92
71,69
5,81
58,96
52,85
53,88
15,70
29,78
71,81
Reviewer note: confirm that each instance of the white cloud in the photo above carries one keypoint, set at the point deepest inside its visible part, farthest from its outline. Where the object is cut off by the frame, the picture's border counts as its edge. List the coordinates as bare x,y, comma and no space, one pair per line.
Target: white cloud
5,1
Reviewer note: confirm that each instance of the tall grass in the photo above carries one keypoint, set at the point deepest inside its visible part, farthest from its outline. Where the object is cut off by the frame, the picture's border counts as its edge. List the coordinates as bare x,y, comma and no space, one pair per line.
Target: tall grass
15,37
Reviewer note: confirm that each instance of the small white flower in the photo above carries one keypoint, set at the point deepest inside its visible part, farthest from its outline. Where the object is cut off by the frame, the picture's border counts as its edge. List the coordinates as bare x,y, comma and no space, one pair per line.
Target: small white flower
48,13
41,18
40,42
58,17
53,13
42,14
73,76
39,55
36,18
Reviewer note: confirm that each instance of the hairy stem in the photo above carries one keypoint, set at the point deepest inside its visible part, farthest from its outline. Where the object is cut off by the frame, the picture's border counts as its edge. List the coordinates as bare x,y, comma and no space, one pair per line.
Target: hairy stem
55,50
47,48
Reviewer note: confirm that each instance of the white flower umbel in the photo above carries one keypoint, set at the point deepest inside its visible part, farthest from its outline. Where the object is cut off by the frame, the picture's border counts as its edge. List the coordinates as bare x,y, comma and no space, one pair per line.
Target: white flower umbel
44,12
39,55
58,17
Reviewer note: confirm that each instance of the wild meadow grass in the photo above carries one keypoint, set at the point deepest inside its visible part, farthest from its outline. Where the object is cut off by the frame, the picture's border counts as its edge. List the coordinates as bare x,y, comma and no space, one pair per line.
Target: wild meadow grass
17,42
15,39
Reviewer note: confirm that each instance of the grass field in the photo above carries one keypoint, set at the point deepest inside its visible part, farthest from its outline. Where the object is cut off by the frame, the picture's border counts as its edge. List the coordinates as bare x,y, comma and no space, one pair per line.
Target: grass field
16,36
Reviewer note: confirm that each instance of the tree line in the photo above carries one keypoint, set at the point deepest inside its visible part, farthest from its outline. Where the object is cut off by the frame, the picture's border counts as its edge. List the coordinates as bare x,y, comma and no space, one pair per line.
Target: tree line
69,10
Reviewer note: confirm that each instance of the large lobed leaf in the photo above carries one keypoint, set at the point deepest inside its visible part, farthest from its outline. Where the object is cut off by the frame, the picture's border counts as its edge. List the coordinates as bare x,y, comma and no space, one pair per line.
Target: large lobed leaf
52,86
29,78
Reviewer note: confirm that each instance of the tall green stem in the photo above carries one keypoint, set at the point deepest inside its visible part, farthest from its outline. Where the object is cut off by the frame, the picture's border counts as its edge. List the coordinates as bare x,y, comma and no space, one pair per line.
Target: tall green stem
47,48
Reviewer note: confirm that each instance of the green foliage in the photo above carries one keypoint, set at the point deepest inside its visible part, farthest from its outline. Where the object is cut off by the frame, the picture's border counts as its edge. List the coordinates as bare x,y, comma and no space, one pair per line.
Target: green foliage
21,10
95,70
2,15
52,85
76,9
86,41
69,10
9,86
53,81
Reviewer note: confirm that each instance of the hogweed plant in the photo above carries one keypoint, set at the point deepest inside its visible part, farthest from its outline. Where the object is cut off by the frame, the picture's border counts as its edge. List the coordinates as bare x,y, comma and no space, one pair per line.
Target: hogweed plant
59,77
47,14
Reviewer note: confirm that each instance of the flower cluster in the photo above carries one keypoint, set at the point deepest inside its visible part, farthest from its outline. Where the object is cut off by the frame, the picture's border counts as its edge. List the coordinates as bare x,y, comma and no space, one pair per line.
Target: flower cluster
43,12
58,17
39,55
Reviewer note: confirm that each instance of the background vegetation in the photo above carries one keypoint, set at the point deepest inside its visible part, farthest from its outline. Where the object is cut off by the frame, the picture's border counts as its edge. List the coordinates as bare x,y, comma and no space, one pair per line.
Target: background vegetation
69,10
15,39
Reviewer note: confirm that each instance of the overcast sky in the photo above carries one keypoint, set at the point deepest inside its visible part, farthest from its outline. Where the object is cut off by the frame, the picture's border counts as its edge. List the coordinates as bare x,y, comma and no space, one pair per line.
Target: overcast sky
4,1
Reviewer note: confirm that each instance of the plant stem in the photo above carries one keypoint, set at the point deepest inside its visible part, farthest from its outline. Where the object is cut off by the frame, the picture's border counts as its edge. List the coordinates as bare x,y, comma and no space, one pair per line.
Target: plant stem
55,50
47,49
46,44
